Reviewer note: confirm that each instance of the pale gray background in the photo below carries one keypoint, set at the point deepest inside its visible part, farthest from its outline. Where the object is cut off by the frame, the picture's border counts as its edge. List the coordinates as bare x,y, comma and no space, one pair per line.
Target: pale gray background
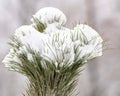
101,77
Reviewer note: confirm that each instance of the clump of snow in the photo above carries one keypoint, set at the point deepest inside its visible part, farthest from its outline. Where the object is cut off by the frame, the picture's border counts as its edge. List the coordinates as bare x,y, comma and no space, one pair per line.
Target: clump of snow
57,44
89,37
50,15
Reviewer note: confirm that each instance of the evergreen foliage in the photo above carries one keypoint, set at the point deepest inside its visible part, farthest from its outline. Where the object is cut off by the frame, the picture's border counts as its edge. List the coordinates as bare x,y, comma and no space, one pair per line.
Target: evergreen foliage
50,55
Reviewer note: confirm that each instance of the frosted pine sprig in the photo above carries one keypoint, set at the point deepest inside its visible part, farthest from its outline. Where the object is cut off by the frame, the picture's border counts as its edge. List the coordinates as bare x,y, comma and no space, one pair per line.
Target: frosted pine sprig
50,54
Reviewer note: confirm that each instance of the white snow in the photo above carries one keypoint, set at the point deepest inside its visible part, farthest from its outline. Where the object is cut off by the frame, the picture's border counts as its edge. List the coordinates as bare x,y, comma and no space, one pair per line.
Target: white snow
49,15
57,44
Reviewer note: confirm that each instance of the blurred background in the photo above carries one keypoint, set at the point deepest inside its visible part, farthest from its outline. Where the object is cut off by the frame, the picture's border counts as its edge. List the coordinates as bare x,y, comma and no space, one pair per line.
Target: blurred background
101,77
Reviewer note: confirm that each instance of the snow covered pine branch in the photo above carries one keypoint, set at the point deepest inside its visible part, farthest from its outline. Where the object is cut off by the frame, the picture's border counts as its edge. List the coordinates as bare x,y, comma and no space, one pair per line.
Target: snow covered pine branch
51,55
